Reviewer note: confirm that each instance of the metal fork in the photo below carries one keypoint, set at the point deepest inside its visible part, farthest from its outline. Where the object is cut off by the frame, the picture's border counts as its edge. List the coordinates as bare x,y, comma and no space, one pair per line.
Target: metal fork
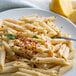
65,38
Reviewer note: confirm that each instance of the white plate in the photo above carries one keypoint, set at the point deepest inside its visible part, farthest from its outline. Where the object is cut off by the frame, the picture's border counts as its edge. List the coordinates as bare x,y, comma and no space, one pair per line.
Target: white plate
68,26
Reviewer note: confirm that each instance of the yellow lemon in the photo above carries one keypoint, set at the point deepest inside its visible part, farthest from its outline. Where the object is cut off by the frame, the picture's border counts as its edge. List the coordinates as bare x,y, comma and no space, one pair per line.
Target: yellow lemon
72,16
63,7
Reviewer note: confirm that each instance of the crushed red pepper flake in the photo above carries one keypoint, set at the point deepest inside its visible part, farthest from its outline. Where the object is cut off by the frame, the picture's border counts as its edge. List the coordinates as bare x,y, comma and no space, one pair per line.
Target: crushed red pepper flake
36,42
34,28
37,60
25,47
29,40
18,57
12,45
2,26
61,26
35,52
20,48
17,32
14,27
46,41
46,45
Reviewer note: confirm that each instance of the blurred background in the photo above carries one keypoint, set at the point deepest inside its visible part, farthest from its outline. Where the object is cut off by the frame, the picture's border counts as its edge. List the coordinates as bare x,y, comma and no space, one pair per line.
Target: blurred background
66,8
44,4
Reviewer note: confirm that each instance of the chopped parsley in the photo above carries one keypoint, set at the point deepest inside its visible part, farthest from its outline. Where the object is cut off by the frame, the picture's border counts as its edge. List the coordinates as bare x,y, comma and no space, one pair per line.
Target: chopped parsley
35,37
11,36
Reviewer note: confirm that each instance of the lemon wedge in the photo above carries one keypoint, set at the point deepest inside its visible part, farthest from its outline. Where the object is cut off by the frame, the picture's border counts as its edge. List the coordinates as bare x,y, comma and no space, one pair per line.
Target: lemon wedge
63,7
72,16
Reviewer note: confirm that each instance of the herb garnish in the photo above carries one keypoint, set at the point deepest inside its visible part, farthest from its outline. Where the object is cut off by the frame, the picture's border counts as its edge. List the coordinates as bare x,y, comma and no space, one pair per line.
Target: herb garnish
35,37
11,36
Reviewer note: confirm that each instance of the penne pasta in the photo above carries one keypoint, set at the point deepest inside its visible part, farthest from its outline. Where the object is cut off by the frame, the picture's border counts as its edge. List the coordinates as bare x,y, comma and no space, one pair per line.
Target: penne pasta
7,47
32,72
2,58
66,53
14,21
61,50
9,69
71,55
57,47
34,28
6,74
20,74
57,41
28,47
14,26
66,68
50,60
22,65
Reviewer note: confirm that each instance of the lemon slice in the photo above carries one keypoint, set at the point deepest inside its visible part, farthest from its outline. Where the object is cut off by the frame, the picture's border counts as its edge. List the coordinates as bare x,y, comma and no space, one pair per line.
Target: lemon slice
63,7
72,16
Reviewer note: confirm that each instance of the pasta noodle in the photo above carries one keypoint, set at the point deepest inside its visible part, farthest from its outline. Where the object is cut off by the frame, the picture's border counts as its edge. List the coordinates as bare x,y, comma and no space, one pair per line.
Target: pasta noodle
27,47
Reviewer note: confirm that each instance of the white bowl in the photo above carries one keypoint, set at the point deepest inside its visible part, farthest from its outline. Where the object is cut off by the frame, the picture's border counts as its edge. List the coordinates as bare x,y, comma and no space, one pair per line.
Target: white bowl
68,26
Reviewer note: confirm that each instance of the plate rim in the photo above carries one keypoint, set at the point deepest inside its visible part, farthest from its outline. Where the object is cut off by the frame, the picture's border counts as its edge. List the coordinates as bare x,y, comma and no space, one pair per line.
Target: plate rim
44,11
